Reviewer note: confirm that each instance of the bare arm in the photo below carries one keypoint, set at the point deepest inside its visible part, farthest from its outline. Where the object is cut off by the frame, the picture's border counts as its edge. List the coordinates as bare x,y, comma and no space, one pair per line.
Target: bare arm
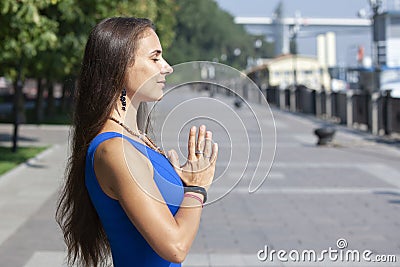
171,237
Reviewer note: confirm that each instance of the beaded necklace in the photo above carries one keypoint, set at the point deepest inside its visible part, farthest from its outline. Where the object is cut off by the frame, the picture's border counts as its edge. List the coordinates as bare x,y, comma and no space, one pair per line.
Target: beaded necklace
142,136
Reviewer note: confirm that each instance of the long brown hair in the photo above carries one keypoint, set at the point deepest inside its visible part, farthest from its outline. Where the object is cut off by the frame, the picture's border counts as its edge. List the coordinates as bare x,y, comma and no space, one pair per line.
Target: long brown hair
110,49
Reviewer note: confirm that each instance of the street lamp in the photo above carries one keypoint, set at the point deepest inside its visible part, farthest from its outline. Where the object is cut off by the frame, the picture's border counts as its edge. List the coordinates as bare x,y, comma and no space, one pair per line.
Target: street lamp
257,46
376,6
376,9
293,45
237,52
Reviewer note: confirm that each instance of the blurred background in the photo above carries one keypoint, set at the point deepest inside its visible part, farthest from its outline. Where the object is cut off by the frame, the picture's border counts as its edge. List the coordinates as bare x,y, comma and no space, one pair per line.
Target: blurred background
327,65
350,45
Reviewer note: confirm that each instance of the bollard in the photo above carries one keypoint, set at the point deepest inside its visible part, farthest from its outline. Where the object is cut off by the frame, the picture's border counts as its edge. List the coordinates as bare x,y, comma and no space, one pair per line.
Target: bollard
349,108
238,102
325,135
375,113
282,99
388,113
328,104
292,99
318,104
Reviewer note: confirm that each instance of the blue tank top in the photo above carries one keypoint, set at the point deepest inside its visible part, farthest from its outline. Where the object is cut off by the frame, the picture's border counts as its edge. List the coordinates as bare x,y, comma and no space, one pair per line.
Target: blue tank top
128,247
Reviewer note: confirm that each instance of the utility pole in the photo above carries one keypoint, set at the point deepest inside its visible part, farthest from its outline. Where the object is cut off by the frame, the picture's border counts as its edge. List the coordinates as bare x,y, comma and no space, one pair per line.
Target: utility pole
18,108
293,45
376,6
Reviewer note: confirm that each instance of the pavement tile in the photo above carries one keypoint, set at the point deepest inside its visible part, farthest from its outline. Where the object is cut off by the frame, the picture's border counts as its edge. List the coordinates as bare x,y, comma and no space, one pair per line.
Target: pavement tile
313,197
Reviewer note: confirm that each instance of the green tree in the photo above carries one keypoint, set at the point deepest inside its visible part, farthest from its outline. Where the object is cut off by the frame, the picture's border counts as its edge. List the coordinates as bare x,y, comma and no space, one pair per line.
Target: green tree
205,32
77,17
27,32
45,39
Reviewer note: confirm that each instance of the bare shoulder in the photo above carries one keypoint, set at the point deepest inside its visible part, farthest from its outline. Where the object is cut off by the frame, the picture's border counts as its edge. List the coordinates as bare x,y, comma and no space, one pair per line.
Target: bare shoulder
116,162
117,151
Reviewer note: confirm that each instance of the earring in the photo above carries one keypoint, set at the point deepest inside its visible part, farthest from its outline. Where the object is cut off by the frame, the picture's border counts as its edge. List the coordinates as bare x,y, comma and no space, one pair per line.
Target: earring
123,99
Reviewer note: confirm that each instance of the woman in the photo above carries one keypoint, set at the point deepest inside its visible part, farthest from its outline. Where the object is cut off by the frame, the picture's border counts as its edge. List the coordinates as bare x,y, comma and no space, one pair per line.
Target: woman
122,195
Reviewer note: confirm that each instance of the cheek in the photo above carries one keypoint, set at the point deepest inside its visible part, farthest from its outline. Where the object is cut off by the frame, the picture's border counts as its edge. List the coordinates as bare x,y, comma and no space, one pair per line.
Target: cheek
139,78
133,80
151,70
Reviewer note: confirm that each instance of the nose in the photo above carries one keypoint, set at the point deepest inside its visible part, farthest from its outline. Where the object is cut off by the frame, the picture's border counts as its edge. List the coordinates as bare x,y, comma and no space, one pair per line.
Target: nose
166,68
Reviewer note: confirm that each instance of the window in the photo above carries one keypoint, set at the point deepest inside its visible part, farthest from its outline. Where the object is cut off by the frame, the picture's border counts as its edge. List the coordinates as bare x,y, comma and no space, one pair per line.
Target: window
394,31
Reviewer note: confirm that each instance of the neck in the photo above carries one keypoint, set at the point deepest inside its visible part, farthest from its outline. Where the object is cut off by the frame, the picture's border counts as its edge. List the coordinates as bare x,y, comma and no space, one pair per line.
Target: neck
128,117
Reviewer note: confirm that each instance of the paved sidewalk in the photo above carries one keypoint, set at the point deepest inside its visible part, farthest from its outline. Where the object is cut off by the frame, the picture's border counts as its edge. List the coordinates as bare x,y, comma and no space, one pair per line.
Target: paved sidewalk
28,195
34,135
313,196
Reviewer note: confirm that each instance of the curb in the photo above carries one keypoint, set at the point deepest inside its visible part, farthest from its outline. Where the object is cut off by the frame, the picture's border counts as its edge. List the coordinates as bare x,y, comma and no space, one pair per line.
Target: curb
28,162
40,126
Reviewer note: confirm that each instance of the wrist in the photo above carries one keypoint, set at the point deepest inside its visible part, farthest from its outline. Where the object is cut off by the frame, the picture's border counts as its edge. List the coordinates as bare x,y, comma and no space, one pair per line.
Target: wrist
196,196
196,189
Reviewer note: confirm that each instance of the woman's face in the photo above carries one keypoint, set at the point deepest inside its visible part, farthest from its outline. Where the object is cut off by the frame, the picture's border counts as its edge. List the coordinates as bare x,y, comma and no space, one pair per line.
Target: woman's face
145,79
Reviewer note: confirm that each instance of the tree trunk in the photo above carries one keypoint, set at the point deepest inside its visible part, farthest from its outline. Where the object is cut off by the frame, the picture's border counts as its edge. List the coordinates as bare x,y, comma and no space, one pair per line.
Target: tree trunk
68,91
39,103
64,96
19,108
51,107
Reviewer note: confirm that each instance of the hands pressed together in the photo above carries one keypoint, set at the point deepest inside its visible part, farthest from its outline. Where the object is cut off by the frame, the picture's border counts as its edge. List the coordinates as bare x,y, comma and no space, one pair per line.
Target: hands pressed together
199,168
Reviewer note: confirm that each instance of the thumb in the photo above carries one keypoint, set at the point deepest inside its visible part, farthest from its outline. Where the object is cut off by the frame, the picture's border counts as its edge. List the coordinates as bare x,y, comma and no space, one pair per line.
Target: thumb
174,159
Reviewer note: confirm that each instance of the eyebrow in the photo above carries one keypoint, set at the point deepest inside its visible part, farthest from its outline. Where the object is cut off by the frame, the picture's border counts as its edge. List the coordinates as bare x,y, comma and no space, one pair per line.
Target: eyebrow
157,52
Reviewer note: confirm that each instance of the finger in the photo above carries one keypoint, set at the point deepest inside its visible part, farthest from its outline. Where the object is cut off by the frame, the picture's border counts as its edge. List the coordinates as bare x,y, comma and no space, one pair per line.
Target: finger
200,140
174,159
192,143
207,145
214,153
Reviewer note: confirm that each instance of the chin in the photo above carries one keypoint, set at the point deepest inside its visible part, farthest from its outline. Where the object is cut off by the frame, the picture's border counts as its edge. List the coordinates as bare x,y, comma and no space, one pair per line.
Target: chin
160,96
151,98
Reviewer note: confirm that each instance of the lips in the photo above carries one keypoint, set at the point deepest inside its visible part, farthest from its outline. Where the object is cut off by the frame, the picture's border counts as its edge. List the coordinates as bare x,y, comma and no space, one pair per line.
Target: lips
162,83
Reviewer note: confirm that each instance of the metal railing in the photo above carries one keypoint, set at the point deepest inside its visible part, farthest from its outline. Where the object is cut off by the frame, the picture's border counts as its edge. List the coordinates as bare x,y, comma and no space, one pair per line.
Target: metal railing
378,112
